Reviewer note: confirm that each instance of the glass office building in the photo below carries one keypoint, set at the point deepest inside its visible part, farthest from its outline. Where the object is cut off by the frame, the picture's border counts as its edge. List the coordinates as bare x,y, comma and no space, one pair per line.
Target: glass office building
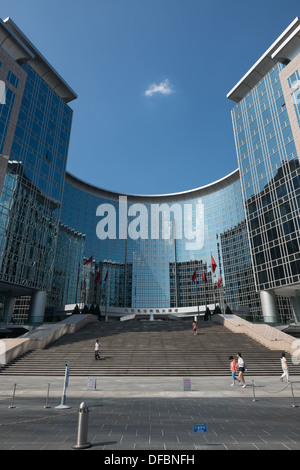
35,124
267,135
66,282
141,252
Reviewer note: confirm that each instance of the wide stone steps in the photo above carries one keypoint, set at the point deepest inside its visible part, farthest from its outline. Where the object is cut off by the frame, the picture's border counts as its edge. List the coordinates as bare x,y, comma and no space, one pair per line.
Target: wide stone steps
134,369
137,348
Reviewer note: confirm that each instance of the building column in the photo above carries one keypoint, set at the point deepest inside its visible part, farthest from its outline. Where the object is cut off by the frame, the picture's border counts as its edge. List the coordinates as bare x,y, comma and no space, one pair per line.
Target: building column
8,309
269,306
295,303
37,307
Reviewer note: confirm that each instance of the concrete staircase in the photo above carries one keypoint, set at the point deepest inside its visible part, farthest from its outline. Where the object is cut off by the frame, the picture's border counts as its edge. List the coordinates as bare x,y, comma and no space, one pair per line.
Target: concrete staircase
157,348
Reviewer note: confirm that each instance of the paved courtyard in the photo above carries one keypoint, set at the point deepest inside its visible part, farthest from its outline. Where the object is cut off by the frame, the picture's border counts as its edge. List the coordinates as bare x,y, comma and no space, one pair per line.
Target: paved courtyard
150,414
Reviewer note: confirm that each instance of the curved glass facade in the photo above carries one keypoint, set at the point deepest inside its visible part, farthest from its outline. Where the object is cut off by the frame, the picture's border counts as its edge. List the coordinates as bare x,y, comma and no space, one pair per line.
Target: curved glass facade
169,238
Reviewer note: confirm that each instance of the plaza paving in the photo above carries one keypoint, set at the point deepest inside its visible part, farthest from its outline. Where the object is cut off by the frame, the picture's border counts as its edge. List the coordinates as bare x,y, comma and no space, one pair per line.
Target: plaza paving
153,414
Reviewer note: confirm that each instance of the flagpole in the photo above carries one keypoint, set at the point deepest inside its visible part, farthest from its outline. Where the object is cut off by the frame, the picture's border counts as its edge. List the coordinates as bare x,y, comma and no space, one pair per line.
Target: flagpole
213,267
105,292
212,277
205,282
214,295
77,282
125,274
197,297
197,300
214,291
194,277
175,265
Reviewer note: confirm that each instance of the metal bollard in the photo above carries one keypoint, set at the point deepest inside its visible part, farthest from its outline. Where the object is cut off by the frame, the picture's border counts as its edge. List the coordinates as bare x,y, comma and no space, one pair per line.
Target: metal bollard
47,399
13,397
294,403
253,388
83,418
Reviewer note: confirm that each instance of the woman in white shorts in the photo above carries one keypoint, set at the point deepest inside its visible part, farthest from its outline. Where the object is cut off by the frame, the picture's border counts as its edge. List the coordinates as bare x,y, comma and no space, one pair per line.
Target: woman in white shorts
241,369
285,368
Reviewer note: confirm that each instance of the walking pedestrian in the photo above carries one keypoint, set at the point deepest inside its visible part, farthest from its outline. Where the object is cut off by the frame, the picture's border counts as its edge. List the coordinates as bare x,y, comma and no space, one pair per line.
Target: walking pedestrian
285,368
195,328
97,349
233,368
241,369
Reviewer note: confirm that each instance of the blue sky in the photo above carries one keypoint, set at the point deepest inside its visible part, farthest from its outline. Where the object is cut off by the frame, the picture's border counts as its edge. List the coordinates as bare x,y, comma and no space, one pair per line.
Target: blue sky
151,76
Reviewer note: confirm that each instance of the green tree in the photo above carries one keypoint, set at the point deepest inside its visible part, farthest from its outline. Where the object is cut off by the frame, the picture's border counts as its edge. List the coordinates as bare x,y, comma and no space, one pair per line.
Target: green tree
207,314
228,311
92,309
85,309
76,310
98,312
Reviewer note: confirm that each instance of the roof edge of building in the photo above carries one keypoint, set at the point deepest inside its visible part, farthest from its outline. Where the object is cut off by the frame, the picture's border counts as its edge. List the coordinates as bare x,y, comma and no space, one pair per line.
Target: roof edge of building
38,62
114,195
264,64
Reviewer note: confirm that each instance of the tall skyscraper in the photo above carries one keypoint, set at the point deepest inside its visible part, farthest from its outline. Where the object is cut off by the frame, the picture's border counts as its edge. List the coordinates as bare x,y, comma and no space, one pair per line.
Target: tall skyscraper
35,124
266,121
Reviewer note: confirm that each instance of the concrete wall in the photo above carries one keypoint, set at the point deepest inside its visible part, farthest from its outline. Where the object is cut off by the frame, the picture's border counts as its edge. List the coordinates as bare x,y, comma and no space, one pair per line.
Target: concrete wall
264,334
41,336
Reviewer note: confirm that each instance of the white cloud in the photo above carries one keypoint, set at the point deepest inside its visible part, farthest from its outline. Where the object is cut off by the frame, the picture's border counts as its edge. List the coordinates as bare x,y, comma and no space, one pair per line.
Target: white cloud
164,88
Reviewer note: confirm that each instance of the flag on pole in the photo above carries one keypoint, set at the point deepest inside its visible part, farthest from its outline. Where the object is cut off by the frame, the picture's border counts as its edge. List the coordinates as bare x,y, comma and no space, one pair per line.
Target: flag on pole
97,277
194,276
88,260
106,276
204,279
219,282
213,265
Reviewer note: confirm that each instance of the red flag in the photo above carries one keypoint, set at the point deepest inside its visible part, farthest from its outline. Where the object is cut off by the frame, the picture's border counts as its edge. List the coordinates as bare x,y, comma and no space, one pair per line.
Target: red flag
106,275
213,265
204,277
219,282
194,276
88,260
97,277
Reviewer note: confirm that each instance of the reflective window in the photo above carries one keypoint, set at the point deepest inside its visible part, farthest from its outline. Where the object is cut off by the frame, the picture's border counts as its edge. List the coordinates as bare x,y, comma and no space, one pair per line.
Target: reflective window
13,80
294,79
270,174
33,185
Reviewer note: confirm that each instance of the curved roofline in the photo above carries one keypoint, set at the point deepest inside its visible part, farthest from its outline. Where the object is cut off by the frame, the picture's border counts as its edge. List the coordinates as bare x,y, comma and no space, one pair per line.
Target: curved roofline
95,190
